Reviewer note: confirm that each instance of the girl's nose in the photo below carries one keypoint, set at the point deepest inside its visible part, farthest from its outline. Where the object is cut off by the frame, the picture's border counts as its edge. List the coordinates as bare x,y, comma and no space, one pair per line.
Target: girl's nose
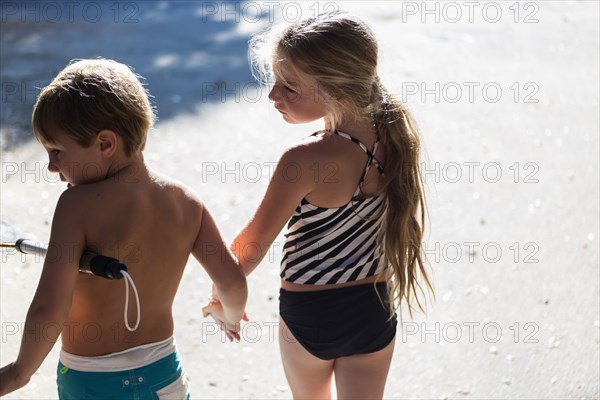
275,93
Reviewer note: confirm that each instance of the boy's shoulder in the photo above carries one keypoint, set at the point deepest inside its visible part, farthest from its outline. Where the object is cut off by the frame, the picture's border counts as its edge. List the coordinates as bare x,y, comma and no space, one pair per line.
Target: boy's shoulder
150,185
174,186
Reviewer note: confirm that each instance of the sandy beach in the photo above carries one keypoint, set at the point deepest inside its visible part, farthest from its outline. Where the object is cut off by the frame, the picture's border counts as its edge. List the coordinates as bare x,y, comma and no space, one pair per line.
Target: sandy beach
506,95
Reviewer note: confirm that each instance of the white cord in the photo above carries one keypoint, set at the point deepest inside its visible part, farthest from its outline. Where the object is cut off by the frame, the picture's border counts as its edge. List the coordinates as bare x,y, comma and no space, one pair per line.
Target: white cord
128,281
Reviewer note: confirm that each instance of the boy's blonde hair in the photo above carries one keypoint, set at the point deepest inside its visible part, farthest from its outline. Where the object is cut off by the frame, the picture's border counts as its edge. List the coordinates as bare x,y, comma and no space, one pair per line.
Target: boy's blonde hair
337,53
88,96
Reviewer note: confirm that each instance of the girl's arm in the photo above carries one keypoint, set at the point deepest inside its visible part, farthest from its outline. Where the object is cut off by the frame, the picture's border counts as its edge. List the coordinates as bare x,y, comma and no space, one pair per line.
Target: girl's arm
51,304
292,180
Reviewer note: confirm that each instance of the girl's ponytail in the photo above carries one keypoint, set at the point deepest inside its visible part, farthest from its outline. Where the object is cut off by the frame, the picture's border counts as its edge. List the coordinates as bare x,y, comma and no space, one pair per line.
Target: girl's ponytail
404,223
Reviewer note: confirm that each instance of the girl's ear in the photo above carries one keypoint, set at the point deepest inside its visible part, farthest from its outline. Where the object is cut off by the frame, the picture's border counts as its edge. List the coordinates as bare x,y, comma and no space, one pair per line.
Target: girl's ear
342,102
108,142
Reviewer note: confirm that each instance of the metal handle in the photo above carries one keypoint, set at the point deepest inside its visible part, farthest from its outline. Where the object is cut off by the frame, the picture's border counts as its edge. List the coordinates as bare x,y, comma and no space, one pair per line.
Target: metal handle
91,263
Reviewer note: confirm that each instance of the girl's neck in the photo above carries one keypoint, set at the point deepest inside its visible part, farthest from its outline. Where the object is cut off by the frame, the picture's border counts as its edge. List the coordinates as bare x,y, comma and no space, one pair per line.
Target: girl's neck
360,128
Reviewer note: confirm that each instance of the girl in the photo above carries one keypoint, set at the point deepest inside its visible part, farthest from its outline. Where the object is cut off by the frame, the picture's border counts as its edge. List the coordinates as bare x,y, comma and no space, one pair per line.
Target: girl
353,244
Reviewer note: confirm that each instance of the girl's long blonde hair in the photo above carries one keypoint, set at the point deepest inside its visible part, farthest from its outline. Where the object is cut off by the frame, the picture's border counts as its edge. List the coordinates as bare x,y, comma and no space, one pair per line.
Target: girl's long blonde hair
337,52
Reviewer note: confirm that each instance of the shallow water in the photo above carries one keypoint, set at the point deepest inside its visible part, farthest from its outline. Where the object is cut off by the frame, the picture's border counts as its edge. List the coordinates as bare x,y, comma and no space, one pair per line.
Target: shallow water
189,53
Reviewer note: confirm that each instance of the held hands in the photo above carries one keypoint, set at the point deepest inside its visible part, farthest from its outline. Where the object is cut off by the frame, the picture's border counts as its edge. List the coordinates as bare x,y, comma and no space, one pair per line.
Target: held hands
215,310
10,379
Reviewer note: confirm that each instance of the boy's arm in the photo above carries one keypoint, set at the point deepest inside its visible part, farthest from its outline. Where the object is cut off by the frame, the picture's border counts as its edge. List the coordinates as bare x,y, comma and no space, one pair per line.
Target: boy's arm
212,252
51,304
290,183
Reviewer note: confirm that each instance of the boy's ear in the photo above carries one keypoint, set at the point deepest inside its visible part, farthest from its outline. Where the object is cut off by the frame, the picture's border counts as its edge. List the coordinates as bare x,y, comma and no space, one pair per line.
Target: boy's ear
108,142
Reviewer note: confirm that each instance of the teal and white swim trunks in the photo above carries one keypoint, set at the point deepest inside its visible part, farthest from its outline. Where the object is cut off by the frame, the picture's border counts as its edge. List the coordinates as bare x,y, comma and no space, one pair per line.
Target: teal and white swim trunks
151,371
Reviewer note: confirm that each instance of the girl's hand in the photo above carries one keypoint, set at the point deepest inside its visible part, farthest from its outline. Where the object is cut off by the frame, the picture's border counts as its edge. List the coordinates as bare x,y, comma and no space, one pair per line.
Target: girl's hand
215,310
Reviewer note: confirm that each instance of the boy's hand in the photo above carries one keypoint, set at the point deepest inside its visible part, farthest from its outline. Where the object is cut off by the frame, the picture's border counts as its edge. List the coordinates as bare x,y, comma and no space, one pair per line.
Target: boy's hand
10,379
215,310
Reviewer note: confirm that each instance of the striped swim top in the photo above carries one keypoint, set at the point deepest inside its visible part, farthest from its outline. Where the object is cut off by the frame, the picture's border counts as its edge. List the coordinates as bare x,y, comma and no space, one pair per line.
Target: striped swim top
335,245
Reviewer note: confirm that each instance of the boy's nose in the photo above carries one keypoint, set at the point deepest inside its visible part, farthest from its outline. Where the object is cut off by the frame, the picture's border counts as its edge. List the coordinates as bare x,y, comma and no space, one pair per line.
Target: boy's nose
53,167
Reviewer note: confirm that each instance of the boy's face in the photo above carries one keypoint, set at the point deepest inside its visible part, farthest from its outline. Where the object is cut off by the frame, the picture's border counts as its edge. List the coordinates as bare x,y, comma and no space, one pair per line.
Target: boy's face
74,163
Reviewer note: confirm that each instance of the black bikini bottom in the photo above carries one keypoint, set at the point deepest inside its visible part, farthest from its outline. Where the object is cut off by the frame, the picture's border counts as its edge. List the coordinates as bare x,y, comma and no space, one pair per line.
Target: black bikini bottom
340,322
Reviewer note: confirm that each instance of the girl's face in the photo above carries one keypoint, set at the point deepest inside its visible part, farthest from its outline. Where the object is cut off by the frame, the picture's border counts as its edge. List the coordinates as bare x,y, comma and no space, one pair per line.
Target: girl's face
298,102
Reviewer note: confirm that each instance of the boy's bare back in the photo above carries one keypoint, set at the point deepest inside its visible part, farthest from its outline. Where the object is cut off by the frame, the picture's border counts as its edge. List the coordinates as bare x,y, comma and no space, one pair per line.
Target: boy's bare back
151,224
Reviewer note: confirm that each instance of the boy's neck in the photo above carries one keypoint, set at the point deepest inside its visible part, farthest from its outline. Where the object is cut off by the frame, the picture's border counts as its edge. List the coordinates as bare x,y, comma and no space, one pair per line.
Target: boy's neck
126,166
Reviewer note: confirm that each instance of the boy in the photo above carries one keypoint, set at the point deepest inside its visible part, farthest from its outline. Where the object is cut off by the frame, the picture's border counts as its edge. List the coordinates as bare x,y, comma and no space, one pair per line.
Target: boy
93,120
